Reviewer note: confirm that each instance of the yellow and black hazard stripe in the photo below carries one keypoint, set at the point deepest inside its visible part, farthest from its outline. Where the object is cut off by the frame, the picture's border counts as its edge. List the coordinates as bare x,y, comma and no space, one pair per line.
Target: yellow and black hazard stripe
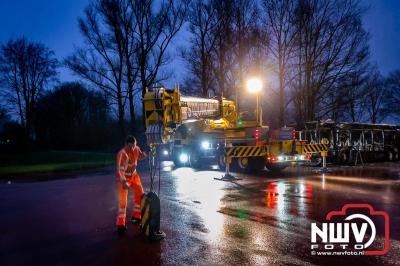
314,148
245,151
145,213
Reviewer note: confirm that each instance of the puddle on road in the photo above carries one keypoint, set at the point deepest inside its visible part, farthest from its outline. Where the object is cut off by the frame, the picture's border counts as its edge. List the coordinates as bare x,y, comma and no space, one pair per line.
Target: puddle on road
205,196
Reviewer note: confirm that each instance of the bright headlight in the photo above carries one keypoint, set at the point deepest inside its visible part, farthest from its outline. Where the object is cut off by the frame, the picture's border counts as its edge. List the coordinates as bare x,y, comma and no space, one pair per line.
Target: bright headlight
280,158
205,144
165,152
183,158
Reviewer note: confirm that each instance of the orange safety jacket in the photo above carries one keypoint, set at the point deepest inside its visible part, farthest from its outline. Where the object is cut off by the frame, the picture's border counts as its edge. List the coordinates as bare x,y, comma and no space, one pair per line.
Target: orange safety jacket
127,162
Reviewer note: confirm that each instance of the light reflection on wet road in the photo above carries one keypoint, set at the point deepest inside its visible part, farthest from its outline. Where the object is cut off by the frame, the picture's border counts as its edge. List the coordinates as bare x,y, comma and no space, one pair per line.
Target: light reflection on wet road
259,220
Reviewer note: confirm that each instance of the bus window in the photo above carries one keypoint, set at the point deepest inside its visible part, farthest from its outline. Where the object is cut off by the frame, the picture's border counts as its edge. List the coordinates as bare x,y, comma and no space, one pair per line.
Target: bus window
367,140
378,140
356,137
389,138
325,134
378,137
343,136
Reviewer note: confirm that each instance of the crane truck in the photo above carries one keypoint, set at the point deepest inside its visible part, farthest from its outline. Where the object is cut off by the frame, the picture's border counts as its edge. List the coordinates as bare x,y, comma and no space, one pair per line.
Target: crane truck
200,131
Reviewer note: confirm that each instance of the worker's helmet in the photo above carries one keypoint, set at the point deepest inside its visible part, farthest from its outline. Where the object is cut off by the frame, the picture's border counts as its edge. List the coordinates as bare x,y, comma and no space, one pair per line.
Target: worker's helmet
130,139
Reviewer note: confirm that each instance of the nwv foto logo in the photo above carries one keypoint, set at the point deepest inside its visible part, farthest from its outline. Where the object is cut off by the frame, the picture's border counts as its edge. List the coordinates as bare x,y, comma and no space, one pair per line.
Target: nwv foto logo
355,231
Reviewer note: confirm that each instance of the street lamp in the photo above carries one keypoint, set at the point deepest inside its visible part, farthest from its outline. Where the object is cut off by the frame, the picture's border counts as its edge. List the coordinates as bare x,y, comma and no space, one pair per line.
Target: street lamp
254,85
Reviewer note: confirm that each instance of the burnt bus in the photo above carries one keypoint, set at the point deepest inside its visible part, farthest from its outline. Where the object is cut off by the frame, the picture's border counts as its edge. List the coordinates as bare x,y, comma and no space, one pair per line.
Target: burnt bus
354,142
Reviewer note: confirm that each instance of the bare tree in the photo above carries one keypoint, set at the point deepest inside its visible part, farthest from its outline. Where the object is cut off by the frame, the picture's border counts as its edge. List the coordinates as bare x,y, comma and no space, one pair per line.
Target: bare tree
4,117
224,41
348,99
223,56
156,26
375,98
245,18
128,27
102,60
392,84
25,69
202,23
282,34
331,44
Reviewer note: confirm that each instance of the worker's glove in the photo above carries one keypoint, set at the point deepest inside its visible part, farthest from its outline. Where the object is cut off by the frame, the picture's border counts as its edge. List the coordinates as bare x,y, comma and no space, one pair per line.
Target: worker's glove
125,184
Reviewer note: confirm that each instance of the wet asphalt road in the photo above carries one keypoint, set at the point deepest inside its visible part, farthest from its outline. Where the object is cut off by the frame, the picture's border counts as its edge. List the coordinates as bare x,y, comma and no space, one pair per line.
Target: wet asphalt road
262,219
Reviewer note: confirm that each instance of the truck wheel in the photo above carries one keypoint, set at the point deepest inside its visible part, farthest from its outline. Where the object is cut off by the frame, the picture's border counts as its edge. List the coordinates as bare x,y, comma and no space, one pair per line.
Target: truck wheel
256,164
275,168
195,160
221,161
316,160
242,164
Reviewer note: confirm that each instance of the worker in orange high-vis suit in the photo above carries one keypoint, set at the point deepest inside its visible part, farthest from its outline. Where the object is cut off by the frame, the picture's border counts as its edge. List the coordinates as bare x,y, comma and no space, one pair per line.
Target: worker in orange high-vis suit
128,178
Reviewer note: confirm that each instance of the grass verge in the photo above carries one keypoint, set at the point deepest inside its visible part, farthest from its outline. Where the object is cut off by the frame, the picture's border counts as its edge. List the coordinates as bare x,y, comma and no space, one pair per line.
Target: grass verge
52,161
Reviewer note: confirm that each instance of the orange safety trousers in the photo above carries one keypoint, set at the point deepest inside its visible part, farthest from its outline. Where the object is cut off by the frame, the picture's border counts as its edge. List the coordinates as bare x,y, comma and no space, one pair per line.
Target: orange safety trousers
136,186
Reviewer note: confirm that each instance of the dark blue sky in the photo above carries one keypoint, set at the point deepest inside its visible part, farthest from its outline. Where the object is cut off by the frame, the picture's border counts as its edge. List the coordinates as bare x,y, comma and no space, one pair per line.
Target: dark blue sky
55,24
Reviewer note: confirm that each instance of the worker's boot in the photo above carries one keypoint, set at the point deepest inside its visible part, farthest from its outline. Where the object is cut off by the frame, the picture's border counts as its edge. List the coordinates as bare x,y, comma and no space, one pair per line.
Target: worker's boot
121,229
135,220
157,236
